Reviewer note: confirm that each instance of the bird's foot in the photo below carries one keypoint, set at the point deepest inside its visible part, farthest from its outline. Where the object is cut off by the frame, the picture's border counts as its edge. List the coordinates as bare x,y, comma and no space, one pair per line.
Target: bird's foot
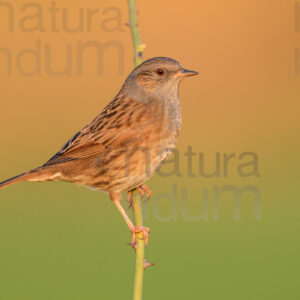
146,190
141,233
142,189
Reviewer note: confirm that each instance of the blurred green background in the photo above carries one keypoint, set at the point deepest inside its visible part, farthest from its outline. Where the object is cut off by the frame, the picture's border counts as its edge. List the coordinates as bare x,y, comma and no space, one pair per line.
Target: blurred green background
62,242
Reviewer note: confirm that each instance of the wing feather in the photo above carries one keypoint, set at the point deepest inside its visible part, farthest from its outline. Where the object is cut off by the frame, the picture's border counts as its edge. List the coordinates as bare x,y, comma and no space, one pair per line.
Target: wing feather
112,129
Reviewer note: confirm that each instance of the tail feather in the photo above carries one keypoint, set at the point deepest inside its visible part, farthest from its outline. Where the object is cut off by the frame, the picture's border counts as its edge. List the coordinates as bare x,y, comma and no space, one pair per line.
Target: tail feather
30,175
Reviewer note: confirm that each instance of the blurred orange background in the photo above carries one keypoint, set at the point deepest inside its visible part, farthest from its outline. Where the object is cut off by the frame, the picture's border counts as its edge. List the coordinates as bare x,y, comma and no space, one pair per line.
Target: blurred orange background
61,242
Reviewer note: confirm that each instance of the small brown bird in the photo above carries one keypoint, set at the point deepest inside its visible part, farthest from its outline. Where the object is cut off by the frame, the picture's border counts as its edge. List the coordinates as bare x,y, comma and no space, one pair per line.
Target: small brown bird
127,142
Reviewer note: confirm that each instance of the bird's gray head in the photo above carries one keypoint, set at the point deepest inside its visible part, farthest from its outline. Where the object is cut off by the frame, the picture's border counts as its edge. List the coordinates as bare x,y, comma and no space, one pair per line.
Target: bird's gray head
159,77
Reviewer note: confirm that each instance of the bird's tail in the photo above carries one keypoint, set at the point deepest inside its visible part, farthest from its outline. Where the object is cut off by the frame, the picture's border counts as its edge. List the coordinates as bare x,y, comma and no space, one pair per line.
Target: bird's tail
37,174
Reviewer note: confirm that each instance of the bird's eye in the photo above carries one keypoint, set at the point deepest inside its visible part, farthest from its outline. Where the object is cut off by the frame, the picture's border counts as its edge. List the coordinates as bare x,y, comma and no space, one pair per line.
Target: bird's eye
160,72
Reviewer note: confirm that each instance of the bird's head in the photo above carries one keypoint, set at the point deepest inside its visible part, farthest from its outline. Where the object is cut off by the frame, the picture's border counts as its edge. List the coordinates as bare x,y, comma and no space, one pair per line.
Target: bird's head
159,75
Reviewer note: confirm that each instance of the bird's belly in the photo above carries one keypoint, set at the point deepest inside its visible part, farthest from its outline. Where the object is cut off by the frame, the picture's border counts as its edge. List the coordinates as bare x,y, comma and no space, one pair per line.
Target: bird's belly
126,169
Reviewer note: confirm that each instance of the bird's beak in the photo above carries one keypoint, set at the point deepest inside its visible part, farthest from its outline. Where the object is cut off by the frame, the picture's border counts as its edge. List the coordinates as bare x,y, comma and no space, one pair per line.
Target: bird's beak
184,73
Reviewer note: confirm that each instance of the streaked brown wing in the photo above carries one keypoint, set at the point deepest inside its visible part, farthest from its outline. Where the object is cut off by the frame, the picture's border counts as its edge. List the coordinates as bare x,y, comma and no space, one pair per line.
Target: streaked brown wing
122,123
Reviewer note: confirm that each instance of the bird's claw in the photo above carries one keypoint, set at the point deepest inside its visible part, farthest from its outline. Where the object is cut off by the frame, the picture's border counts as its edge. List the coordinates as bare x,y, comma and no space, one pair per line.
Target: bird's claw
142,189
147,191
145,236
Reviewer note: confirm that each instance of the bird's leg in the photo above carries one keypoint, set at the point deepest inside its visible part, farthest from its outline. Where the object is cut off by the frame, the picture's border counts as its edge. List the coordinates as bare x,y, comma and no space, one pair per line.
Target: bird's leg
116,198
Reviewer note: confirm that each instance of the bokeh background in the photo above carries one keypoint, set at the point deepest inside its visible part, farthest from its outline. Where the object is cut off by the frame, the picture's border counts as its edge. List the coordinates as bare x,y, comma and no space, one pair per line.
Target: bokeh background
62,242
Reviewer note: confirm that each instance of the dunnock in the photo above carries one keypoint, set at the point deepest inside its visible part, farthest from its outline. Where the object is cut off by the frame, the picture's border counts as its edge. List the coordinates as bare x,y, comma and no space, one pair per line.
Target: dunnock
127,142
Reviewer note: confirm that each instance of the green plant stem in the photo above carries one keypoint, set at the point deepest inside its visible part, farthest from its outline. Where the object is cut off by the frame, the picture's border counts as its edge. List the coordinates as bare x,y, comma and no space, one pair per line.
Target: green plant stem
138,48
140,251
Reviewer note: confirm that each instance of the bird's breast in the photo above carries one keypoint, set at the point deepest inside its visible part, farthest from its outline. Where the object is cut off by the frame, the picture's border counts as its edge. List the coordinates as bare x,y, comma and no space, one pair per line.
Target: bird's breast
166,131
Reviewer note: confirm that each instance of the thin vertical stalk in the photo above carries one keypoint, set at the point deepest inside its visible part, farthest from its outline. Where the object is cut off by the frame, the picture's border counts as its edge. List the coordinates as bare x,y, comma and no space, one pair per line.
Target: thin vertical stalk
140,250
138,48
